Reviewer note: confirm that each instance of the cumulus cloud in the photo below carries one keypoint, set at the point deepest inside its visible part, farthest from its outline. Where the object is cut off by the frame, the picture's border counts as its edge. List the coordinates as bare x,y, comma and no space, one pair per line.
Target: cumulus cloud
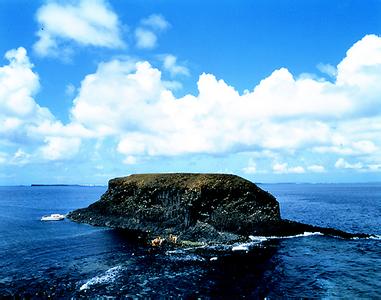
283,168
24,123
130,160
146,33
18,84
170,64
341,163
316,168
282,114
86,23
20,157
156,22
58,148
145,39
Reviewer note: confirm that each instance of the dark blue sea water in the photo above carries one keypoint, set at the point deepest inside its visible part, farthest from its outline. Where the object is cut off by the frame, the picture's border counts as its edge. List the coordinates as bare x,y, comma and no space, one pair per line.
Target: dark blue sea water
65,259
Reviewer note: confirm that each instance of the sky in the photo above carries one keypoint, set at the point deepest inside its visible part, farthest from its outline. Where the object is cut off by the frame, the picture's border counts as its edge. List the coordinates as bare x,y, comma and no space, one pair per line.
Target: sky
274,91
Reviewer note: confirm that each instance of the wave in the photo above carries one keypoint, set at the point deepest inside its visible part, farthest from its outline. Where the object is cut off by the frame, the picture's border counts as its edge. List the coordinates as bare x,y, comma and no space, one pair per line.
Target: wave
183,250
186,257
109,276
376,237
255,240
242,247
266,238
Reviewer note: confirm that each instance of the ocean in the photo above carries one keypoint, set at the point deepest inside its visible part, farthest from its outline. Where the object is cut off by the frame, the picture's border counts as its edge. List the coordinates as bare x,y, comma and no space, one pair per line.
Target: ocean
65,259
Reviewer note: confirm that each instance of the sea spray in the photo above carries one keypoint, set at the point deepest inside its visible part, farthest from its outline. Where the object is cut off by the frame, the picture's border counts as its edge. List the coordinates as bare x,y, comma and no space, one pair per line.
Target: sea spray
109,276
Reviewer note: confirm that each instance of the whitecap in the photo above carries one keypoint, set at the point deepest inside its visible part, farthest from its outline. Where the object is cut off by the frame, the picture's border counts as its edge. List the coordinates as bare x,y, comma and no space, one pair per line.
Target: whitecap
265,238
373,237
255,240
109,276
241,247
187,257
184,250
258,239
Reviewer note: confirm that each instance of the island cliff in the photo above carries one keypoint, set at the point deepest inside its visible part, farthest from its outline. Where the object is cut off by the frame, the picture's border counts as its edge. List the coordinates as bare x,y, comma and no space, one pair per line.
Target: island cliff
200,208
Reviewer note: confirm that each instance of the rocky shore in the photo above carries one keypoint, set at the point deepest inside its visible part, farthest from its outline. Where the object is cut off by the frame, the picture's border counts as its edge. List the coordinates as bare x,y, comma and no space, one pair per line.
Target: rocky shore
191,209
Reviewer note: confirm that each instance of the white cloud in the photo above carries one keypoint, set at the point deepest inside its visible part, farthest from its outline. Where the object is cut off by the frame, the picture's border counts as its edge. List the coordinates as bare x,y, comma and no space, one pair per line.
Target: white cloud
170,65
296,170
18,84
362,65
59,148
358,166
86,22
341,163
145,39
251,167
283,168
130,160
23,123
316,168
20,158
146,34
156,22
282,114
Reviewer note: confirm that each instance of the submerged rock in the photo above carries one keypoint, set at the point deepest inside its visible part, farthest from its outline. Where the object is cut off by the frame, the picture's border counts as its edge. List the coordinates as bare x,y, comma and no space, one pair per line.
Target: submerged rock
200,208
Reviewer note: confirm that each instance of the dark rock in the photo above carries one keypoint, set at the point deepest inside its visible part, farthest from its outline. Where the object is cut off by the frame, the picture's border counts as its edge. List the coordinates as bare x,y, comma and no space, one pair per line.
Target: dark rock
208,208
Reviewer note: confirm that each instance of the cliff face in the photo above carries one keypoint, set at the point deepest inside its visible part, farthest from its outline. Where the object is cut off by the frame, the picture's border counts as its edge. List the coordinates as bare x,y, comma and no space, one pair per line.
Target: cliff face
194,207
183,204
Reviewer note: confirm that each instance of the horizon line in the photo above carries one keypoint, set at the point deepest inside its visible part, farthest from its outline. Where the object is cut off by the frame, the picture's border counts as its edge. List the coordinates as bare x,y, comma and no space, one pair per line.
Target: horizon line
106,184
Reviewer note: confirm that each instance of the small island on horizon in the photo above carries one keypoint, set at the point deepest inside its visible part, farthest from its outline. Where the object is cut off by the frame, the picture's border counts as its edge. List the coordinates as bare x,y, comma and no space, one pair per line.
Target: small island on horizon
64,184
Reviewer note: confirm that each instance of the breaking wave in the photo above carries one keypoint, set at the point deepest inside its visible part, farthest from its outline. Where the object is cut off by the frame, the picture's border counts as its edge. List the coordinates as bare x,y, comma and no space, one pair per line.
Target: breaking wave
109,276
255,240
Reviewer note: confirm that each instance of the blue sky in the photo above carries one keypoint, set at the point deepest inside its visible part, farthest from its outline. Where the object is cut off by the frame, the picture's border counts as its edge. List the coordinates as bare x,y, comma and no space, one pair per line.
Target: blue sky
275,91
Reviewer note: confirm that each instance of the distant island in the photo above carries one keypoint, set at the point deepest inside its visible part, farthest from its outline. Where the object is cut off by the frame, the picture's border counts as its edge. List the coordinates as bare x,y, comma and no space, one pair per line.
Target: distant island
62,184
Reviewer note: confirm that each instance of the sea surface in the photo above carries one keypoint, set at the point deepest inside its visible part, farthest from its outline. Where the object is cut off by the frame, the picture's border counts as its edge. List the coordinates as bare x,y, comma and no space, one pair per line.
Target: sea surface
65,259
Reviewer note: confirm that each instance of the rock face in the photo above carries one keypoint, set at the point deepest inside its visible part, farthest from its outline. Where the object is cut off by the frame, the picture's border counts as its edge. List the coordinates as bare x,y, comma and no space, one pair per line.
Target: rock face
211,208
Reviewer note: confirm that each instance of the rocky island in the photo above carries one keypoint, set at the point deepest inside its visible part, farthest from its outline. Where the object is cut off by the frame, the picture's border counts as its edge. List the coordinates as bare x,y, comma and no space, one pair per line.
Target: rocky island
192,208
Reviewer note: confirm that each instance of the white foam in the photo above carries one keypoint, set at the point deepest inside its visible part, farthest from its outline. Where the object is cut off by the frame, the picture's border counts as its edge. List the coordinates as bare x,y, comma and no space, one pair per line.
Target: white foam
109,276
183,250
301,235
374,237
188,257
242,247
265,238
259,239
214,258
